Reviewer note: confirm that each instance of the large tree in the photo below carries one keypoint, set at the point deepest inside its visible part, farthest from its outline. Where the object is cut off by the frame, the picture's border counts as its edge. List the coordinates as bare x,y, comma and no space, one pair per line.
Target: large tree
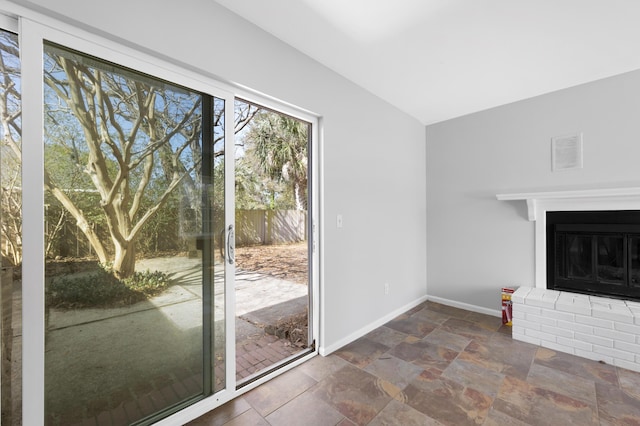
118,146
136,141
125,133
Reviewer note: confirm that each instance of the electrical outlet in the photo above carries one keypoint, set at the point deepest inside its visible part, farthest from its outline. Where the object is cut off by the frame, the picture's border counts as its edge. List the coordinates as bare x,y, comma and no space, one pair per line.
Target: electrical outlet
386,288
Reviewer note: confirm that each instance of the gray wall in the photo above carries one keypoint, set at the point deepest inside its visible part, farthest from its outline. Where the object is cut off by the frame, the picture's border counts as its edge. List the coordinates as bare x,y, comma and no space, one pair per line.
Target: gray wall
476,244
374,168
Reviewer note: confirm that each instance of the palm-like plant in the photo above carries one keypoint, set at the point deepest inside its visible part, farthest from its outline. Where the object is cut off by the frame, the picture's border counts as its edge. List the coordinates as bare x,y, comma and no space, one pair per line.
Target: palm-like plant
279,144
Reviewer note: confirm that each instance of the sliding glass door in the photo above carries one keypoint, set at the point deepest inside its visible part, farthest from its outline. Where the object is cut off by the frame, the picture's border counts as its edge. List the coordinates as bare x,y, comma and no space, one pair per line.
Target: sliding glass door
169,227
134,282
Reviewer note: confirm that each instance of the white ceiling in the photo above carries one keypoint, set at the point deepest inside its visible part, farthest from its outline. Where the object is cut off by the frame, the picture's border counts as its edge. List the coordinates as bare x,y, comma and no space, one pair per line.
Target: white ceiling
440,59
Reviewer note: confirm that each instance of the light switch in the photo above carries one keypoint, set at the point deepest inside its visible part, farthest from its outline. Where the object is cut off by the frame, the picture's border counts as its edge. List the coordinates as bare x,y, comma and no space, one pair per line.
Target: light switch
339,221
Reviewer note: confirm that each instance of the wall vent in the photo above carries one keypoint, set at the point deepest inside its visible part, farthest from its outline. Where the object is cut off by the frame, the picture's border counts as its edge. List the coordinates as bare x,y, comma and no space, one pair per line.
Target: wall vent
566,152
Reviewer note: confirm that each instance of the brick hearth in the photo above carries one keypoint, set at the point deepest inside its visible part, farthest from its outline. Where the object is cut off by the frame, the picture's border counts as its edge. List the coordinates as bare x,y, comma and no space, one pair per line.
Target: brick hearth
597,328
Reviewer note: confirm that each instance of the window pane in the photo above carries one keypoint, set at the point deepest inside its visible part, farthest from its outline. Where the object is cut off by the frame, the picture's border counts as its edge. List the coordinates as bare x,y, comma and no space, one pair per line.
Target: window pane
124,280
11,227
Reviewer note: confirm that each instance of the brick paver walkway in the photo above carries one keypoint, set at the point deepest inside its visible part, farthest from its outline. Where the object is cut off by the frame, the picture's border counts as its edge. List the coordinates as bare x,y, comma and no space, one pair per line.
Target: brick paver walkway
255,355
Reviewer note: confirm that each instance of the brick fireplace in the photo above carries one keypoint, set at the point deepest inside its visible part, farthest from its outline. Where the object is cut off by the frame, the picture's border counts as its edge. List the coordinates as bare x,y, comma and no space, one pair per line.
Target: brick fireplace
599,328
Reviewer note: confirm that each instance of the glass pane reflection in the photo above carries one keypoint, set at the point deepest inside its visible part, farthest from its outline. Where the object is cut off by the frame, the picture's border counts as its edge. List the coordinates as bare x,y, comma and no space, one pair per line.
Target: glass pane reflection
610,258
123,180
580,257
634,273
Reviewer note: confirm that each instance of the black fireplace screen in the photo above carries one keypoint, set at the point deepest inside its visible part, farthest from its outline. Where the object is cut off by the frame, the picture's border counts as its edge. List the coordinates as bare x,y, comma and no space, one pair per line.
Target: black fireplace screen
594,253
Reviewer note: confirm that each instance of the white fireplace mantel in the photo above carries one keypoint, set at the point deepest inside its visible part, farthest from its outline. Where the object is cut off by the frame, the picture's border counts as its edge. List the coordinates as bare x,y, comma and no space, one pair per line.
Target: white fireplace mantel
539,203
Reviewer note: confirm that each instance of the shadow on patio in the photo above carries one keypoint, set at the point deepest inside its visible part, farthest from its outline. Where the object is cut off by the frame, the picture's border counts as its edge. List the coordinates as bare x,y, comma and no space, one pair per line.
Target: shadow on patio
119,365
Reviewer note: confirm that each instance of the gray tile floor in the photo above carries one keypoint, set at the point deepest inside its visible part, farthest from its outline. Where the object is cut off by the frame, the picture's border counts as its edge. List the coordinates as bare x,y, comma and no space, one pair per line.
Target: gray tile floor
438,365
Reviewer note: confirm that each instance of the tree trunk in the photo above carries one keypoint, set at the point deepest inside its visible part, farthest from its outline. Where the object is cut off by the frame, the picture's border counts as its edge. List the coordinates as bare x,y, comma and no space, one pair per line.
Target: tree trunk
300,199
124,262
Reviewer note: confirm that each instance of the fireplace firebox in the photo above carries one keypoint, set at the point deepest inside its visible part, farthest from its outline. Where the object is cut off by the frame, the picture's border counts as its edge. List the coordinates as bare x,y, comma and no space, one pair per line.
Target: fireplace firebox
594,252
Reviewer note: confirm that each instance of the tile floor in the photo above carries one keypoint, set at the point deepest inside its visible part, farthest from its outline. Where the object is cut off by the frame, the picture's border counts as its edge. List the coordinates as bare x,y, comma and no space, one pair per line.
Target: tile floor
438,365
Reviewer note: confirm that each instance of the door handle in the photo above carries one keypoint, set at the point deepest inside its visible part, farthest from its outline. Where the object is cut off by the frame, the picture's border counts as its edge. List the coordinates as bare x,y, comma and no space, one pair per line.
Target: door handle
231,245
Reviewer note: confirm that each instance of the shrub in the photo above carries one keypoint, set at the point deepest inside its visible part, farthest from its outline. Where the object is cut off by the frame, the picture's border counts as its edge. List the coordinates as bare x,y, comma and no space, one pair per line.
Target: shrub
148,283
103,289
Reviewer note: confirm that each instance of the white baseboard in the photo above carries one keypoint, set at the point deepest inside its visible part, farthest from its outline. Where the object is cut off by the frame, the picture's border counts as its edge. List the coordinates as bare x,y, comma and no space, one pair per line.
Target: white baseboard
327,350
466,306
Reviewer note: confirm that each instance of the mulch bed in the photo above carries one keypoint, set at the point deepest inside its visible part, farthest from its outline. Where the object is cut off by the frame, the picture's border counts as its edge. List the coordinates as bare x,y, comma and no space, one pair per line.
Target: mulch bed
287,261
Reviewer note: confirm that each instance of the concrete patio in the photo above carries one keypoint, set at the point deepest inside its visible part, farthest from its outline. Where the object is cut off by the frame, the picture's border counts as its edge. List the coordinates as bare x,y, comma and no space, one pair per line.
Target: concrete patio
157,344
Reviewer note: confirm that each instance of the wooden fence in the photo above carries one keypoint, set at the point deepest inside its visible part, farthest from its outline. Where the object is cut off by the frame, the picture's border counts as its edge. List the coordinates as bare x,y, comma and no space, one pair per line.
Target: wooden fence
255,227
